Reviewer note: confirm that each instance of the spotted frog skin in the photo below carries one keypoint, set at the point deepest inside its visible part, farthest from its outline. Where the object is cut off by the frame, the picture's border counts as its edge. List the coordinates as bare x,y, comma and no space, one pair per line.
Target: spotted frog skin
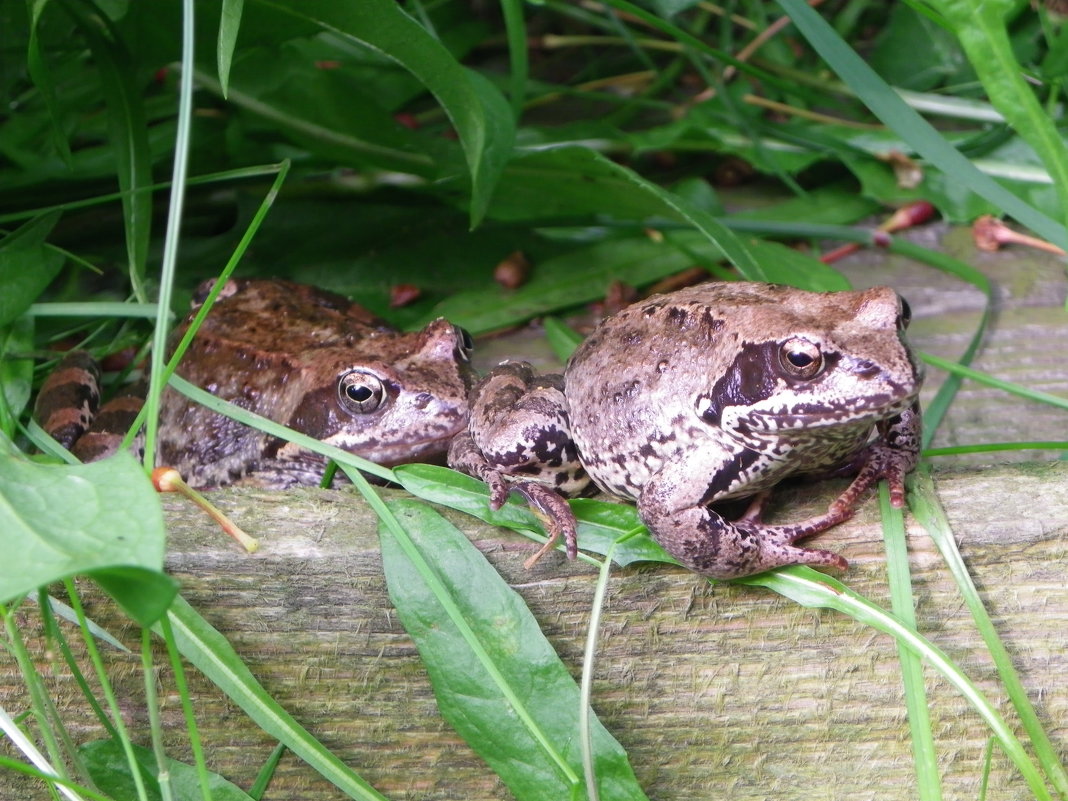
298,355
707,394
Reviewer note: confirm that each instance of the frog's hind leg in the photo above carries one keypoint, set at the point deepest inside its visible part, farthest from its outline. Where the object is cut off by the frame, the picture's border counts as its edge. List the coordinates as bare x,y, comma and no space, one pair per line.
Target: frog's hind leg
110,425
547,505
69,398
519,438
709,544
780,540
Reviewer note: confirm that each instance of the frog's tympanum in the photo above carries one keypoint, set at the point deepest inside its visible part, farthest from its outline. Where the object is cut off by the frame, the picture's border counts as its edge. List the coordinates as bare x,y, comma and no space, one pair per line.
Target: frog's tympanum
711,393
300,356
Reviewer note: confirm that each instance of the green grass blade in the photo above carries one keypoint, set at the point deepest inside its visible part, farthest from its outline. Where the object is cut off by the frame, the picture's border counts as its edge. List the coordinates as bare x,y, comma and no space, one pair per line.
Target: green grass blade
42,79
171,237
213,656
990,381
900,582
924,503
888,106
103,309
124,741
42,768
97,200
516,30
992,447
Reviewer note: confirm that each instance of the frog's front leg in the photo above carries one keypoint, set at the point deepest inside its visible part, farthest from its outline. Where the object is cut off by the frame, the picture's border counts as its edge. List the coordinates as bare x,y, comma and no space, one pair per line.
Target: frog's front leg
519,437
892,455
675,509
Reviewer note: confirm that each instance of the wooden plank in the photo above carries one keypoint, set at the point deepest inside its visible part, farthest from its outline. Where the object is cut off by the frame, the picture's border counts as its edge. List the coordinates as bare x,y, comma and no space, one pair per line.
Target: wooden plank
714,690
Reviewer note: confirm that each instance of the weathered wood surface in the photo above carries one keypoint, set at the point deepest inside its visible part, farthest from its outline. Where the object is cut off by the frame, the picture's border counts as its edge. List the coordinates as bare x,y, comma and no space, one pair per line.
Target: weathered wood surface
715,691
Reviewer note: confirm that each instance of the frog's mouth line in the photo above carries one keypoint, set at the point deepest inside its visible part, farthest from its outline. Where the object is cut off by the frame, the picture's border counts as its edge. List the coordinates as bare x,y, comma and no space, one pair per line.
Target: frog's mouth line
804,416
401,451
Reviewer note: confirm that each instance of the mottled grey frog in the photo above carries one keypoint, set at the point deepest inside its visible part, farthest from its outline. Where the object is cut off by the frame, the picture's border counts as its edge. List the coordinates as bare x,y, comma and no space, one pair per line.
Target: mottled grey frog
711,393
298,355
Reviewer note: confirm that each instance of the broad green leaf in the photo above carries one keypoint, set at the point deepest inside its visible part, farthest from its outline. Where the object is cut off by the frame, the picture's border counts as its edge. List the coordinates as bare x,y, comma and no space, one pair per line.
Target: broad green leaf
584,274
103,519
106,762
325,111
888,106
669,205
497,680
783,265
229,26
600,523
213,656
914,52
480,114
27,265
832,204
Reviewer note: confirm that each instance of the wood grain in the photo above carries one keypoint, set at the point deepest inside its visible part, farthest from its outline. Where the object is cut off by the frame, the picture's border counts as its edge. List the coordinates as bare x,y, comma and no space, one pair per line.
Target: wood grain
714,690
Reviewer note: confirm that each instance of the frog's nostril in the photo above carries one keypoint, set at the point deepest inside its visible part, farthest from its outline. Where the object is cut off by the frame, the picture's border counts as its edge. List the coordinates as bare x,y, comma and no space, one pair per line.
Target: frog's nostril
866,368
422,400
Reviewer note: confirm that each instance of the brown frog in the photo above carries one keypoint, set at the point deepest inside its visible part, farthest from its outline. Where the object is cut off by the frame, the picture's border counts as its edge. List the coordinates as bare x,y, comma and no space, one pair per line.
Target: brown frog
711,393
298,355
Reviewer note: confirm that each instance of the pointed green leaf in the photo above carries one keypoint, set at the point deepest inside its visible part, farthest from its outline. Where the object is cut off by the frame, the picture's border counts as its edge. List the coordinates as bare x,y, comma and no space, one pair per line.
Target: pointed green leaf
42,78
129,134
600,523
207,649
107,764
496,678
229,25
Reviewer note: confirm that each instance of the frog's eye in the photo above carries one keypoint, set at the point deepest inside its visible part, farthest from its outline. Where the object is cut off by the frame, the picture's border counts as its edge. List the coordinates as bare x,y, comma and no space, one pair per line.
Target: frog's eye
904,317
800,358
360,392
465,343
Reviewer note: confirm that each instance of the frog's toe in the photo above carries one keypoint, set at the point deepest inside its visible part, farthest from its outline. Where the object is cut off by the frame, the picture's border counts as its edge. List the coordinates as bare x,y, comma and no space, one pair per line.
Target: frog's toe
555,514
816,557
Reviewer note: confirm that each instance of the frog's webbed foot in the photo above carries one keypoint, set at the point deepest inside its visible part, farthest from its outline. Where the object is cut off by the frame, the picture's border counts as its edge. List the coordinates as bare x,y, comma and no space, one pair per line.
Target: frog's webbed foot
465,456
